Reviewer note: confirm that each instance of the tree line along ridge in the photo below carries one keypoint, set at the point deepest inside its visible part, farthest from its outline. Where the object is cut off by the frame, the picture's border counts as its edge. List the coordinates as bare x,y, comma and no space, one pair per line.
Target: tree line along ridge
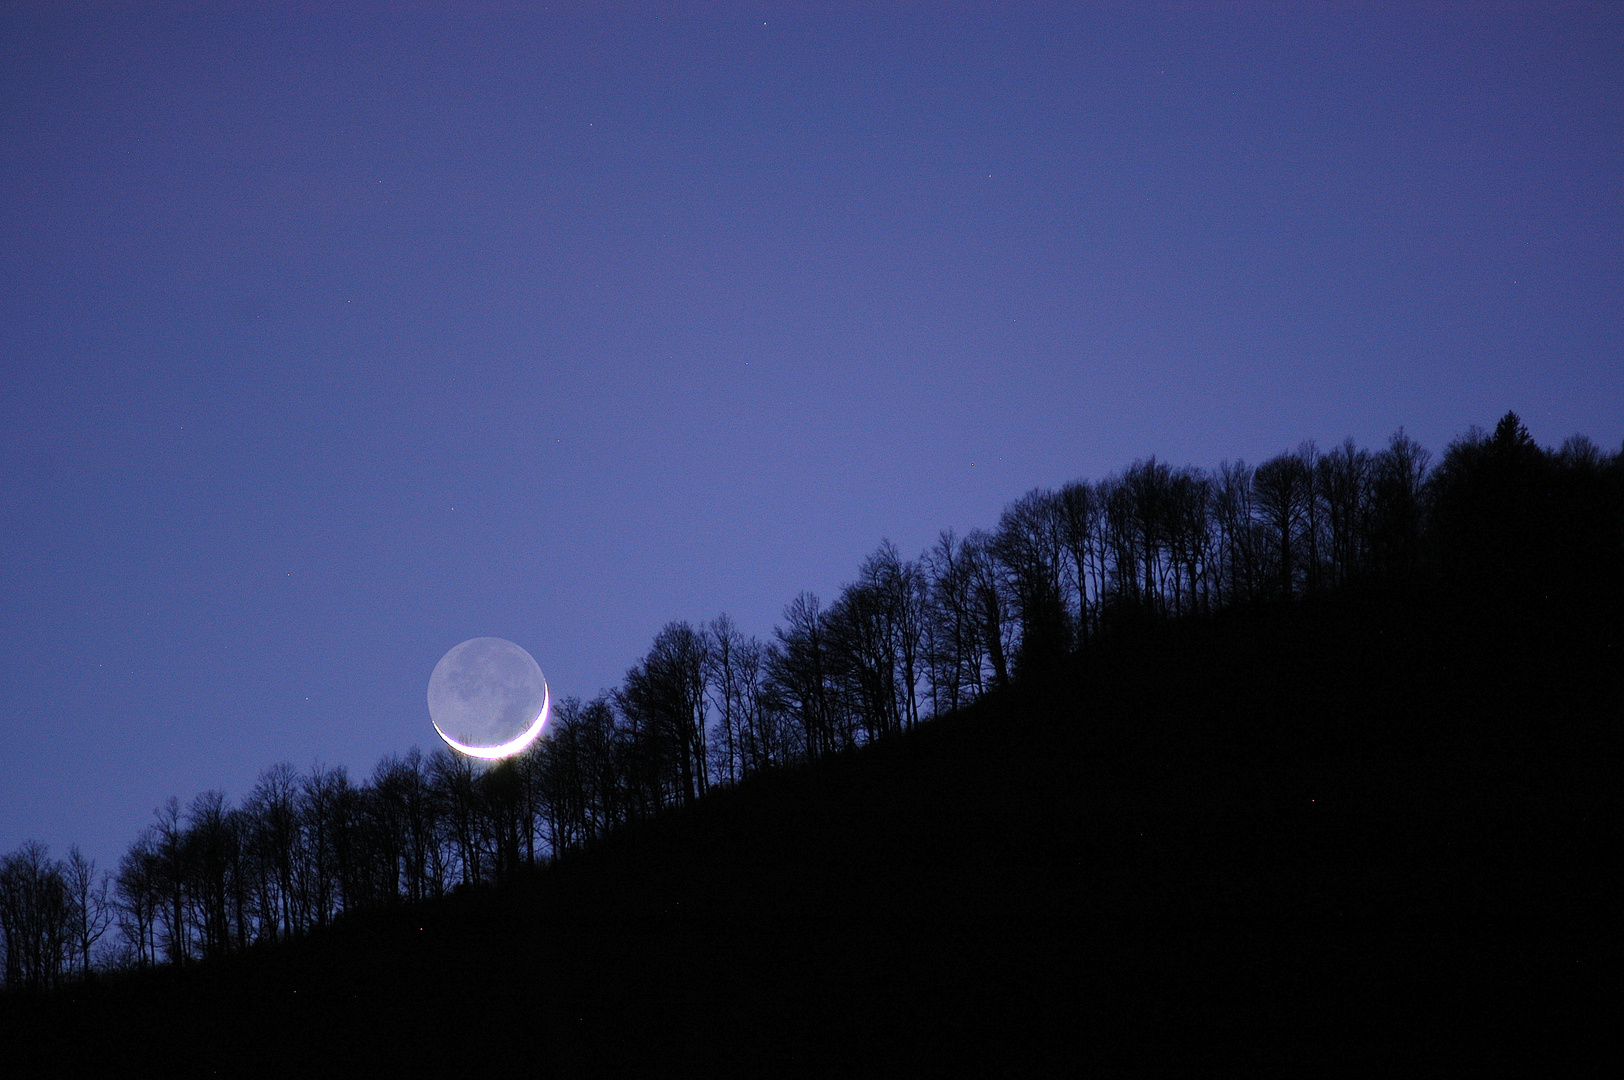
905,641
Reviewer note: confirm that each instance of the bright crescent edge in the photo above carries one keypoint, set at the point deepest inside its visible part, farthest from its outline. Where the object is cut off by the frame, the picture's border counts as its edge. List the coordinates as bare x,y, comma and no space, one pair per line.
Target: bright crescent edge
512,746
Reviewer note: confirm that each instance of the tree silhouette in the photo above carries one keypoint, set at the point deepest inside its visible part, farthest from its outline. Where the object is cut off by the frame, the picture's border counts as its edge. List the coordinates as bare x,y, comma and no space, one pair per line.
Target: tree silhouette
1030,548
799,670
664,694
36,918
89,910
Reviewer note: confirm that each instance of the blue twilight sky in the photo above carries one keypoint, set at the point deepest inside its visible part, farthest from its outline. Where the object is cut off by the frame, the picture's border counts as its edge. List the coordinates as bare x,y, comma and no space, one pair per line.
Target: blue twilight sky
332,335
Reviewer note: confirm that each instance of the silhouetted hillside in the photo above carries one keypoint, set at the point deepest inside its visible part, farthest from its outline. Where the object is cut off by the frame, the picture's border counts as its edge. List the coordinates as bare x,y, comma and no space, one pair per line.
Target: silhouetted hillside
1304,765
1376,829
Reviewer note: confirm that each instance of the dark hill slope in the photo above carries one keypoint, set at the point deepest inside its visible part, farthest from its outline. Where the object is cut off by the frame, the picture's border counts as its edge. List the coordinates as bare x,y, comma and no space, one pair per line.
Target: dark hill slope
1360,833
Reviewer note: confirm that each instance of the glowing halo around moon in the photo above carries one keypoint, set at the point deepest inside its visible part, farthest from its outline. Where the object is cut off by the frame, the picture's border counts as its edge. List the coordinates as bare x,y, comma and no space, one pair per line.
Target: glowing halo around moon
488,699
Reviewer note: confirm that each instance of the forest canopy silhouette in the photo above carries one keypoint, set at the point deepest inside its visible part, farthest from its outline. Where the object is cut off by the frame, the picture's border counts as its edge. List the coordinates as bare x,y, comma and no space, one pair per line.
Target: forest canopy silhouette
1063,609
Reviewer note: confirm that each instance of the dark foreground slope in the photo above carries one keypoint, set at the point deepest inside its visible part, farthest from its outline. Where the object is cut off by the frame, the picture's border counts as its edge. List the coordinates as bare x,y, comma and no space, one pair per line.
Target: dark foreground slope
1370,832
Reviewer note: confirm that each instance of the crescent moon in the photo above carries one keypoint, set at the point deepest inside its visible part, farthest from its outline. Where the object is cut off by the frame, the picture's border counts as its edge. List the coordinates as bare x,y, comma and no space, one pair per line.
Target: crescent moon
512,746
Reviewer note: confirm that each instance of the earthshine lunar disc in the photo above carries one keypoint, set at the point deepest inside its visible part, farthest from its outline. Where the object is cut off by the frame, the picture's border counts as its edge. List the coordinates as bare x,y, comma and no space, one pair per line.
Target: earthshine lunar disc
487,698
